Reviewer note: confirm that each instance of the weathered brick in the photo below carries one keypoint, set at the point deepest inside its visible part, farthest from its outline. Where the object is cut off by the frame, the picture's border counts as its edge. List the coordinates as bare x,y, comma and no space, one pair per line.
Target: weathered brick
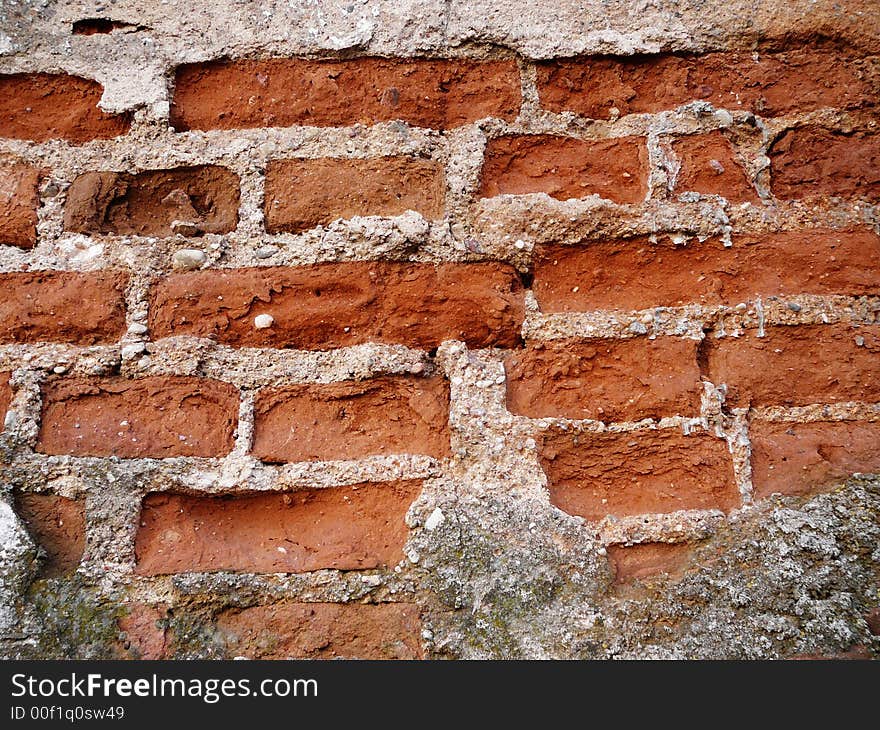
145,632
609,380
564,167
19,200
323,631
802,458
352,419
347,528
40,106
302,194
769,84
205,198
814,162
638,273
709,166
57,524
872,618
598,474
337,305
154,417
62,306
636,562
798,365
284,92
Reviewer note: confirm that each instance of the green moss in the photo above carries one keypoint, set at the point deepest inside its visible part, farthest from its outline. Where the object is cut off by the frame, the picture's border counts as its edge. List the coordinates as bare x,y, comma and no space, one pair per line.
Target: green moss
76,622
193,635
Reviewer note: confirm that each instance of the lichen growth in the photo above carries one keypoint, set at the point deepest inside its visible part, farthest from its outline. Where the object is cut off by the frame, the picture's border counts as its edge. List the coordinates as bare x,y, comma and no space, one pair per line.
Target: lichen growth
790,577
74,620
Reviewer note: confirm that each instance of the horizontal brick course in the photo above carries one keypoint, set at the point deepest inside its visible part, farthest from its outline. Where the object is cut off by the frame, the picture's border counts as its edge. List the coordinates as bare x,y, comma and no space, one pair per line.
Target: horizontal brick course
352,419
812,162
803,458
347,528
302,194
153,417
195,200
798,365
39,107
608,380
769,84
638,273
598,474
337,305
62,306
646,560
282,92
323,631
709,166
564,167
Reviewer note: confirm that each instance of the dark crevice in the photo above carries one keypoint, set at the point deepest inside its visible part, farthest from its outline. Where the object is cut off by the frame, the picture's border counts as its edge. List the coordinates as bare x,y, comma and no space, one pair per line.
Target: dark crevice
101,26
703,355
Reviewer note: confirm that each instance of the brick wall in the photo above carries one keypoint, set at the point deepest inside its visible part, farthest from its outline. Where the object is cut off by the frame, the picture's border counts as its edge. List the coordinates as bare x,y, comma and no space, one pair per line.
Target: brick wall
268,328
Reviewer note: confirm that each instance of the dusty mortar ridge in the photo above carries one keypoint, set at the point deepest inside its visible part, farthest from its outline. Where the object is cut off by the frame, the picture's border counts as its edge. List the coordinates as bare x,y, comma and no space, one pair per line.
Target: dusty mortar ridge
493,569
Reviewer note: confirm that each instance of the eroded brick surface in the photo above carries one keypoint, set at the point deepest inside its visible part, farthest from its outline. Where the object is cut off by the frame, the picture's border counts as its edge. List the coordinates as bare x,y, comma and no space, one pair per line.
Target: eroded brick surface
337,305
323,631
639,273
352,420
599,474
57,525
348,528
282,92
154,417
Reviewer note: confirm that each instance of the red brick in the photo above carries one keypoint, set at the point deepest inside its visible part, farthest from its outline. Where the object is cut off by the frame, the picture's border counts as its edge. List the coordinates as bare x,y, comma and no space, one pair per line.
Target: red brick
154,417
348,528
798,365
19,200
5,397
302,194
872,618
802,458
284,92
564,167
338,305
148,203
637,472
814,162
635,273
636,562
770,84
62,306
57,524
609,380
39,107
323,631
145,631
352,419
709,166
